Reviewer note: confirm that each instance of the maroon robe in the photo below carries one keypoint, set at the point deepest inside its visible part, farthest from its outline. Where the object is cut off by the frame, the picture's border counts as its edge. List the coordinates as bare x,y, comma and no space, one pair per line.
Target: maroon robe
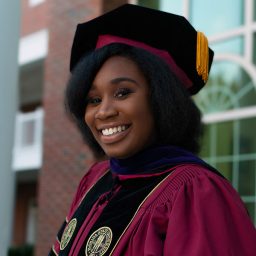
186,210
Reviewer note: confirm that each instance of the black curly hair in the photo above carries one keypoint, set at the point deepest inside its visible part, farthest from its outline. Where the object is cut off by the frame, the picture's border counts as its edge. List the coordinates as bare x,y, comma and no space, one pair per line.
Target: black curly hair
177,118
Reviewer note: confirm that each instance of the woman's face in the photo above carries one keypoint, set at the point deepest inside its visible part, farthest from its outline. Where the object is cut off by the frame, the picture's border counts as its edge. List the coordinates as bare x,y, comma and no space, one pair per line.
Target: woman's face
118,109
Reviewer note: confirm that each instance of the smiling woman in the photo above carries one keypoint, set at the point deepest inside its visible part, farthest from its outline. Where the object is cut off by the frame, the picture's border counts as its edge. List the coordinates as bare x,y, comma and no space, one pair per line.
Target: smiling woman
125,68
130,95
122,98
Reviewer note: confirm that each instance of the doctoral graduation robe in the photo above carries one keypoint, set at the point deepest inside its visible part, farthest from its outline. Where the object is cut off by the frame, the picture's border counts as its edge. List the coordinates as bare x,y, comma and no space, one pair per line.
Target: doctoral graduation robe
184,210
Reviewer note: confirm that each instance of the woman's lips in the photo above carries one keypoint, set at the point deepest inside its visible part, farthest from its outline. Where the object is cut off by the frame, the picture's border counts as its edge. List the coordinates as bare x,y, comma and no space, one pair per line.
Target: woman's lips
113,134
114,130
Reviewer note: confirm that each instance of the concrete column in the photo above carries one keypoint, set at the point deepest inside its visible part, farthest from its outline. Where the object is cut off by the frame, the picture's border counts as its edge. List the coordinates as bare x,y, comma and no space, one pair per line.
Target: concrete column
9,38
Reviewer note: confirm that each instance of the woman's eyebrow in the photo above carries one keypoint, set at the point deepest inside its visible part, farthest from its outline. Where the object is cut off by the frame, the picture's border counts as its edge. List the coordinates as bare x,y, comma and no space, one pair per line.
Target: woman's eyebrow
123,79
117,81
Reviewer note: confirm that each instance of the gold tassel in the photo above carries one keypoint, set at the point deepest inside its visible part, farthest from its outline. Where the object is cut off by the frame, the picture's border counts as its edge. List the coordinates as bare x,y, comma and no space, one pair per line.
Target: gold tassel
202,56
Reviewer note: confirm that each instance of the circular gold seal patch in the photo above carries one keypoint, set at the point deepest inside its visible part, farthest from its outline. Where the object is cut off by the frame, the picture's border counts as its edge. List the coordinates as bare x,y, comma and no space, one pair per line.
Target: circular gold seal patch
99,242
67,234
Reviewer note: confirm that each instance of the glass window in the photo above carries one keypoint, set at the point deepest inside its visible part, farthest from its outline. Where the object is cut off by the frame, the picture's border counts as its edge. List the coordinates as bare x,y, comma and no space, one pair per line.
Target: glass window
251,209
165,5
231,147
246,183
224,138
149,3
28,133
247,138
31,222
226,169
205,143
254,4
254,46
172,6
216,16
228,87
247,94
33,3
233,45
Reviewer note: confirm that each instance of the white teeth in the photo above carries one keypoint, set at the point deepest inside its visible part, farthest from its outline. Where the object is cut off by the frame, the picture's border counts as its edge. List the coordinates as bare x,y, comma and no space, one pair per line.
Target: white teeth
113,130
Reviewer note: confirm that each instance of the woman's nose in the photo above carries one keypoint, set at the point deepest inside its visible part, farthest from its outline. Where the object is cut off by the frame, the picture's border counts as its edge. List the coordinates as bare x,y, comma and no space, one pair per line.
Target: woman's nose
106,110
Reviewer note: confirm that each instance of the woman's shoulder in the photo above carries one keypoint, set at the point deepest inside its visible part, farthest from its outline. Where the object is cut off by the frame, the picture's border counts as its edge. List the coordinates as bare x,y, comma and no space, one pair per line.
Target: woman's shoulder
205,180
187,174
195,189
194,180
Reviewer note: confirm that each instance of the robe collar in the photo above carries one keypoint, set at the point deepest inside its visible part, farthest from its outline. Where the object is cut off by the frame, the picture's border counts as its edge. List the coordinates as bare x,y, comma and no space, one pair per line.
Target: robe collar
153,160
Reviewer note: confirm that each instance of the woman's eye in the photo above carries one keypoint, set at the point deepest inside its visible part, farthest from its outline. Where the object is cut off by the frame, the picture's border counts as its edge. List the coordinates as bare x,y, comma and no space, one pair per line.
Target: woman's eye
122,92
93,101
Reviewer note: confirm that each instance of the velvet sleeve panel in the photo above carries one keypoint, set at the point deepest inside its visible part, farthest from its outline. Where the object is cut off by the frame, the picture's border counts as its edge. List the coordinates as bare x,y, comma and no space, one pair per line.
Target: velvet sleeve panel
91,176
89,179
207,217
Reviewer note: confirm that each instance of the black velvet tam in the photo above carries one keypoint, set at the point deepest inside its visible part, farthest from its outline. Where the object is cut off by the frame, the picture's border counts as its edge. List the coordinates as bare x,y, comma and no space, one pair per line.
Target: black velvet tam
160,30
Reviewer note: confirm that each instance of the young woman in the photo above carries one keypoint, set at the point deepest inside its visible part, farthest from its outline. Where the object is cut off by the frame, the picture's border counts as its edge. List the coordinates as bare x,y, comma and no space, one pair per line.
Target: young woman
153,195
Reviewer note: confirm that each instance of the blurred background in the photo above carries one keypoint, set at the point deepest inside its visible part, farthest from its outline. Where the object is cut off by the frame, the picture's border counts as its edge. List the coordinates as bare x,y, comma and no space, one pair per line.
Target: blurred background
42,155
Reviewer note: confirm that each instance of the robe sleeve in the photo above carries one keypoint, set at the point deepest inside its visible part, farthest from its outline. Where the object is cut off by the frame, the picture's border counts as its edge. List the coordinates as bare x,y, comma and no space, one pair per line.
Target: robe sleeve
209,218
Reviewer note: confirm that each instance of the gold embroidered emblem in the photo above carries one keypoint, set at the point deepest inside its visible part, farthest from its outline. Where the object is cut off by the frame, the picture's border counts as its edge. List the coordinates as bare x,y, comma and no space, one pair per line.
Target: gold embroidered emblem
99,242
67,234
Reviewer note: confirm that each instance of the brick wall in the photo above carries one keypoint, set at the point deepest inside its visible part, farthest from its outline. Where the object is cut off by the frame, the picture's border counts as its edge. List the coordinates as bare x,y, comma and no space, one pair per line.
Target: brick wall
33,18
65,158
